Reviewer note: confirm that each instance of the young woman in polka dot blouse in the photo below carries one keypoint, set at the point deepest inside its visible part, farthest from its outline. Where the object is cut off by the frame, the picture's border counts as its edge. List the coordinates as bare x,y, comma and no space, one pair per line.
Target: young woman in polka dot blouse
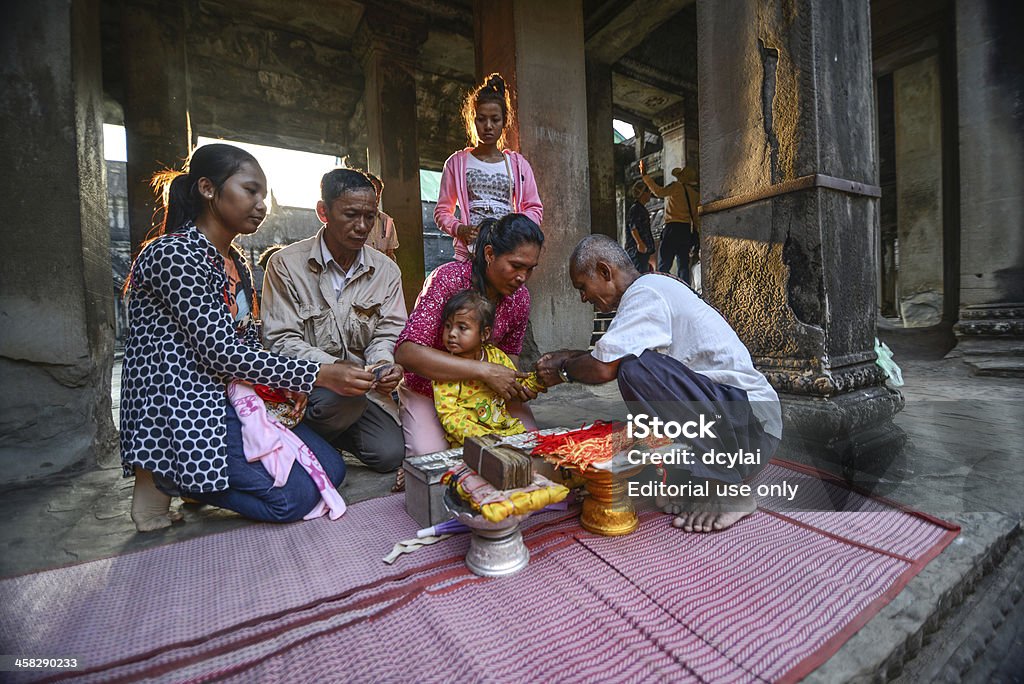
192,330
508,251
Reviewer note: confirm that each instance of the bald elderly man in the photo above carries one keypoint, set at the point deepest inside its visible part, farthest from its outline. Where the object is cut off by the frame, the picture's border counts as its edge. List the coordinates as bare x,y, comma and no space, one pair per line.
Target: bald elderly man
675,358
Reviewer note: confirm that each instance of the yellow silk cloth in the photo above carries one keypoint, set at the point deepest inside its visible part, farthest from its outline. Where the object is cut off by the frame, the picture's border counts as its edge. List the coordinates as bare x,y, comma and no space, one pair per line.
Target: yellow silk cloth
495,504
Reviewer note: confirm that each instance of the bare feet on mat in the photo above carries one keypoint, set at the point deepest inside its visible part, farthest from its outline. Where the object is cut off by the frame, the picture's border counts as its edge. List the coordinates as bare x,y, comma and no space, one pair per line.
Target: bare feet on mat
151,507
715,513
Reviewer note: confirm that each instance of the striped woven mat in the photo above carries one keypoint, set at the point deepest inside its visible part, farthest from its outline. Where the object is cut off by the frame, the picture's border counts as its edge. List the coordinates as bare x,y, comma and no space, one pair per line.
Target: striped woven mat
767,600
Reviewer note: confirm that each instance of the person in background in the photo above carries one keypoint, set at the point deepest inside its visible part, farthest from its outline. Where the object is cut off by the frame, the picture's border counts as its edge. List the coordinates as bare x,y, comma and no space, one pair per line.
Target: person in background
264,258
383,236
681,237
485,181
639,240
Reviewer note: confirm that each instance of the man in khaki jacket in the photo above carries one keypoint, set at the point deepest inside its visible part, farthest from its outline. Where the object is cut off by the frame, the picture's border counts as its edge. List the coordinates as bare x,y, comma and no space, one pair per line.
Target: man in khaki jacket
329,299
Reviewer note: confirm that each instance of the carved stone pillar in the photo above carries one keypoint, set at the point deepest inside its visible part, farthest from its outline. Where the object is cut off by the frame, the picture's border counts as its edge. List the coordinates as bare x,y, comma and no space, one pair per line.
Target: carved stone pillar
57,344
387,44
155,105
672,129
790,206
991,83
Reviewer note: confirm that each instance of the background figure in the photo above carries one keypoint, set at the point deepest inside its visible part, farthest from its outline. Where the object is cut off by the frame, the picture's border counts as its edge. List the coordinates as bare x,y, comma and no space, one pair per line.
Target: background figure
383,236
485,181
681,236
639,240
265,255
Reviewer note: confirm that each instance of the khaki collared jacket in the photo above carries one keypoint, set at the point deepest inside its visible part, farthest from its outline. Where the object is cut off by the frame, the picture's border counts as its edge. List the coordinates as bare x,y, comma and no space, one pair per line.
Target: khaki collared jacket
303,318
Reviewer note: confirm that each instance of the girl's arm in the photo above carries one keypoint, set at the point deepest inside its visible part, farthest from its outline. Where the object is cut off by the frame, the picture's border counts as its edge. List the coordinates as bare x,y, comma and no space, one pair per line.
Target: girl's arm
181,281
447,199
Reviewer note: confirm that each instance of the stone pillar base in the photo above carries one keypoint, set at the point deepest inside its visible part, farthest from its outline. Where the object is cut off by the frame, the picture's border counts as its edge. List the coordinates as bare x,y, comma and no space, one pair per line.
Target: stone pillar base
990,339
844,434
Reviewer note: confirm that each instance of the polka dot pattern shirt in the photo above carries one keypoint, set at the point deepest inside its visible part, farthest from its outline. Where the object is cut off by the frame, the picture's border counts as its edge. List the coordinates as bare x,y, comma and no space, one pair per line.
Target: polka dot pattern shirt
181,349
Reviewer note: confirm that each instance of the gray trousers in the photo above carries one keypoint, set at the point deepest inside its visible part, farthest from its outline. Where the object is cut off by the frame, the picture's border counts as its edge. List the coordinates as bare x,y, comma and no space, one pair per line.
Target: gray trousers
357,425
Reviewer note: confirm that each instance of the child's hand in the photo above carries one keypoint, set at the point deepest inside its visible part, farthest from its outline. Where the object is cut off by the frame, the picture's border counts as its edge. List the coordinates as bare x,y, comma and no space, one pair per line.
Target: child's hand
503,381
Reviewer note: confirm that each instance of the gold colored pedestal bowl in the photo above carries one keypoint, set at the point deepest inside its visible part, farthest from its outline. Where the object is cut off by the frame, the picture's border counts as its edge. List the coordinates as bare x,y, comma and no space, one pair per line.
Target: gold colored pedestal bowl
608,509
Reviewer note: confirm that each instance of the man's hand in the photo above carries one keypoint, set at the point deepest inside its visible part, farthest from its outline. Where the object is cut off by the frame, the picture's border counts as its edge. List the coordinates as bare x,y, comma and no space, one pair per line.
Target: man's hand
641,247
468,234
503,381
549,364
643,168
345,378
390,379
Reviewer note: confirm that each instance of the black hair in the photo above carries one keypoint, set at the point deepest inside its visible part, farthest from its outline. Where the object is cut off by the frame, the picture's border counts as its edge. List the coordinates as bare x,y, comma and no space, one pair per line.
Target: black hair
503,235
179,190
493,89
470,300
337,182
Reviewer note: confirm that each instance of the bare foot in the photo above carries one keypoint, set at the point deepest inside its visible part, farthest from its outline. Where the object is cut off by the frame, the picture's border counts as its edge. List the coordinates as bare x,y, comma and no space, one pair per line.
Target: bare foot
674,506
151,507
715,514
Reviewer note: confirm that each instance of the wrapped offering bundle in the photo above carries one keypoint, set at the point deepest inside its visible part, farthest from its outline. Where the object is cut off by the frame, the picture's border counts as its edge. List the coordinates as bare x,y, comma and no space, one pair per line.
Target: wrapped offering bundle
496,504
503,466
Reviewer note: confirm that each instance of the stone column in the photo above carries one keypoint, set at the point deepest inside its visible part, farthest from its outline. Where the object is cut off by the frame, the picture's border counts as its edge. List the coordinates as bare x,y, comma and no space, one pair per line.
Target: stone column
155,103
56,348
387,46
991,83
918,120
789,197
538,46
601,147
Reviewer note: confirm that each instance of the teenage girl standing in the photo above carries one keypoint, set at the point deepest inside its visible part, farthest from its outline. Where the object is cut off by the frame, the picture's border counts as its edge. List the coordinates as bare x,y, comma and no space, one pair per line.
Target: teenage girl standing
485,181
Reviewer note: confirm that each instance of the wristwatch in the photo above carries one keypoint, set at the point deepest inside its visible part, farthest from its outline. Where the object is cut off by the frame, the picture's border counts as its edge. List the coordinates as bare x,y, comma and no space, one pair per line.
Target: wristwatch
563,373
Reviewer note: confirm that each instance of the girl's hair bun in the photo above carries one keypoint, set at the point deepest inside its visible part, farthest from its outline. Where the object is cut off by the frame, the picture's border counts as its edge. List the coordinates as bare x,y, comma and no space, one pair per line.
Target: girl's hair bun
496,83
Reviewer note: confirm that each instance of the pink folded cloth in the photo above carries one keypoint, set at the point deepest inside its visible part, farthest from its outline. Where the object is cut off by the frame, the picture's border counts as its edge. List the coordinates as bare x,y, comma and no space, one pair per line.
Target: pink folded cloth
266,440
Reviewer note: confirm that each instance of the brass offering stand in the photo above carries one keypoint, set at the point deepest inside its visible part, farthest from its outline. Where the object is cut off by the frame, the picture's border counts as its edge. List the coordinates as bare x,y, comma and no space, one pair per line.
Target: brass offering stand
608,509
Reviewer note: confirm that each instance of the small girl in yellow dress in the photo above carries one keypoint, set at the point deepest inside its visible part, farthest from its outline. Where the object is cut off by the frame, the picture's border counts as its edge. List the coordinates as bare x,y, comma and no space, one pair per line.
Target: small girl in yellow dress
468,408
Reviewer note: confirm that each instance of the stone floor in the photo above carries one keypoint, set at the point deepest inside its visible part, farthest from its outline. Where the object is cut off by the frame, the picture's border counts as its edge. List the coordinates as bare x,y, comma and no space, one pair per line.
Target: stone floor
963,463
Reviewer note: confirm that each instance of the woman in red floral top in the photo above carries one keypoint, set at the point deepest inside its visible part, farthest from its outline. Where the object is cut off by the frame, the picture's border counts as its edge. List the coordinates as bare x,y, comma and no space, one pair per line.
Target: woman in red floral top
507,252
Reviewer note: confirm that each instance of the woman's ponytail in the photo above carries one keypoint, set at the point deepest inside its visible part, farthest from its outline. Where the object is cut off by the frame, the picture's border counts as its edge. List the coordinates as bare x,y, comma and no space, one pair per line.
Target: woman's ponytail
179,206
